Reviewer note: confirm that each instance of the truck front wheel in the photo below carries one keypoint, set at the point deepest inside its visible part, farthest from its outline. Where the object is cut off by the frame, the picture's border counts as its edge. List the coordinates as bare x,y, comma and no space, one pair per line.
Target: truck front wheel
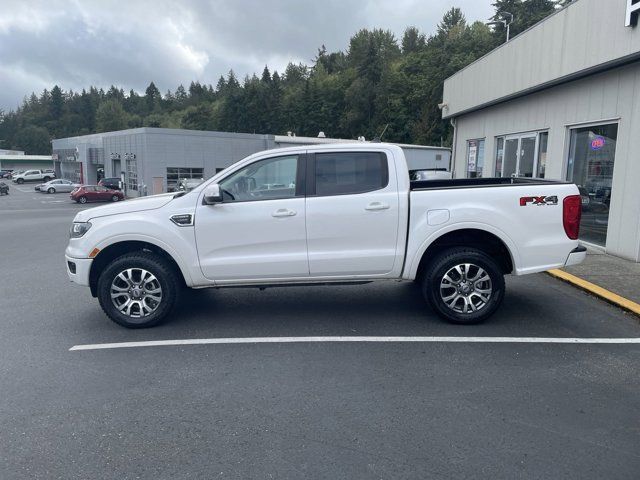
138,290
463,285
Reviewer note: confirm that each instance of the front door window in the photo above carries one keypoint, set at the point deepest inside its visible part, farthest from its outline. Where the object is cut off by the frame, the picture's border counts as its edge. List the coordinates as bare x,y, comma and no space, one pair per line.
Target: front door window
592,153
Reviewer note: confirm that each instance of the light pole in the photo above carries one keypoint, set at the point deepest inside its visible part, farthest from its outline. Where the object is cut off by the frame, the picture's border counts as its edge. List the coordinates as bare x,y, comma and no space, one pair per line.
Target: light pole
507,24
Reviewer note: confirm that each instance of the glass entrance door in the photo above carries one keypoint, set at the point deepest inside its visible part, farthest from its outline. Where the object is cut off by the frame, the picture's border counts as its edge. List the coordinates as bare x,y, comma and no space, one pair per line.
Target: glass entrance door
527,156
519,158
510,161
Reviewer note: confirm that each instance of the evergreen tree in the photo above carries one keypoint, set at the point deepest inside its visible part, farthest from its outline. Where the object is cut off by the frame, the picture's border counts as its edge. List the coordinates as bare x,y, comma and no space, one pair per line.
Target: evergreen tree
266,75
33,140
152,97
110,116
413,41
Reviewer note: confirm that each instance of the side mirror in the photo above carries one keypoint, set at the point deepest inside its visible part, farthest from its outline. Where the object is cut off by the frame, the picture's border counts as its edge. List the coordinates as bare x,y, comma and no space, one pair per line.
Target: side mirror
212,194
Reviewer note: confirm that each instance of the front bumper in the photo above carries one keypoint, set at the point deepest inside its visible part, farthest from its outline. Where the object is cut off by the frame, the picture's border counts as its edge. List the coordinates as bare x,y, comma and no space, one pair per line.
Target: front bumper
78,269
576,256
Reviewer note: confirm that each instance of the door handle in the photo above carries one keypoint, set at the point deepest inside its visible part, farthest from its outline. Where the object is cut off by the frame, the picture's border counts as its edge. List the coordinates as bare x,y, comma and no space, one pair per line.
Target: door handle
373,206
283,212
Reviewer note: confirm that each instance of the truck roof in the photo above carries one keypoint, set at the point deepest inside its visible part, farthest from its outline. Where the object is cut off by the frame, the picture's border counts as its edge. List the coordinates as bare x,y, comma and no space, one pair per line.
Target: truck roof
337,146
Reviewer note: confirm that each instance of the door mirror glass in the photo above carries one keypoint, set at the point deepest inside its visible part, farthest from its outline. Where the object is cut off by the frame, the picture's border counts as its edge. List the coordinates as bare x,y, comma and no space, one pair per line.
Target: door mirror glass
212,194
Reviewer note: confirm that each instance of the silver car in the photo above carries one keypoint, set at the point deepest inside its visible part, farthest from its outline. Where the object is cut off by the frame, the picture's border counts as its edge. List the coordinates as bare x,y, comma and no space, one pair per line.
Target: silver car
58,185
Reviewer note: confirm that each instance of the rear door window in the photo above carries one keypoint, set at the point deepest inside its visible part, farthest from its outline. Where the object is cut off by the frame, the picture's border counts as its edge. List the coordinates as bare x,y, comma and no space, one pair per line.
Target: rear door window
345,173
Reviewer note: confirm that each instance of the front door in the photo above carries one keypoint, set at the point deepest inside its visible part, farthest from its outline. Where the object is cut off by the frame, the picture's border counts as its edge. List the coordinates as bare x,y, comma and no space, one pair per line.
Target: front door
510,162
527,156
352,214
258,231
102,193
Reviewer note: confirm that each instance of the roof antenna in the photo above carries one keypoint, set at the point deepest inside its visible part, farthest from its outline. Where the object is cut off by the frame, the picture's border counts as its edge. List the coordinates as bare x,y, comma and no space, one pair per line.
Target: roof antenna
378,139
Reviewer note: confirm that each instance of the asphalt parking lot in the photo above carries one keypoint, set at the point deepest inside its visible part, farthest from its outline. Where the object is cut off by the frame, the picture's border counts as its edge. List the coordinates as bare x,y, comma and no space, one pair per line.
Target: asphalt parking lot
303,410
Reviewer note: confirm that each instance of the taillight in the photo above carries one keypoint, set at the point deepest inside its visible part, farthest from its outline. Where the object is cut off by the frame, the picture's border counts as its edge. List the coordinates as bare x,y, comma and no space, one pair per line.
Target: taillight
571,213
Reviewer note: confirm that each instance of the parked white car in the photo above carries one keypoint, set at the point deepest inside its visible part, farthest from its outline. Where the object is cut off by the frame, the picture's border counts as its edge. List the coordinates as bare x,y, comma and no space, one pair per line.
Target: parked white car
33,176
325,214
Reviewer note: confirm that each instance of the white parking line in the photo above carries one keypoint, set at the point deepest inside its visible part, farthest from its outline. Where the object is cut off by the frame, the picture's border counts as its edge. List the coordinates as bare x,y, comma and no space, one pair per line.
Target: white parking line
253,340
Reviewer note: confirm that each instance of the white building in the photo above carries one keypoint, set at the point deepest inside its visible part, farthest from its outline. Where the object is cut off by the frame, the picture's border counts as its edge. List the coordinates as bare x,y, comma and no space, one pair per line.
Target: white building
561,101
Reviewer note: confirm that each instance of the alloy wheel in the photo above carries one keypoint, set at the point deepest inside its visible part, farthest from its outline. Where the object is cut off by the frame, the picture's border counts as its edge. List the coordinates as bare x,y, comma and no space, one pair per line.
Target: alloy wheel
466,288
136,292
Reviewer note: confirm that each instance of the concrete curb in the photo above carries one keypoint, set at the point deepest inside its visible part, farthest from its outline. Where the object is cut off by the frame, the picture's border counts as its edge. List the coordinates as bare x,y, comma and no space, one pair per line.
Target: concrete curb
597,290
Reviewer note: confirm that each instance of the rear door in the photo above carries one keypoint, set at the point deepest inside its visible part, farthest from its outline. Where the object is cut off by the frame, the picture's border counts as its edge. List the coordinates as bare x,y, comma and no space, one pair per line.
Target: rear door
91,194
352,210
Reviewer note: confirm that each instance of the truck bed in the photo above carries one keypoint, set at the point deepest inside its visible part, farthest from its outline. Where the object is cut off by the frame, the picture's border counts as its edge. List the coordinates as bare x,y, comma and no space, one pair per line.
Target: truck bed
480,182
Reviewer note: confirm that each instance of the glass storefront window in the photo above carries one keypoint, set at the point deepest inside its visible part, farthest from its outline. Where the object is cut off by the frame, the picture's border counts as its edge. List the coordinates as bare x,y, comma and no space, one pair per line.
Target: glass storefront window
475,158
132,174
592,153
175,174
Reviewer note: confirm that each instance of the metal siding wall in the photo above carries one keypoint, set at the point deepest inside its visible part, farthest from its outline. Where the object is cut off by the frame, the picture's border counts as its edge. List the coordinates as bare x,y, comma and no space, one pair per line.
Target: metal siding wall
586,34
208,151
614,94
420,158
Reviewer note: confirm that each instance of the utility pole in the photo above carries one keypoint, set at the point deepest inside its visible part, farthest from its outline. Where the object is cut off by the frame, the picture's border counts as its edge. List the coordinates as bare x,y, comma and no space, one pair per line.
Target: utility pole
504,22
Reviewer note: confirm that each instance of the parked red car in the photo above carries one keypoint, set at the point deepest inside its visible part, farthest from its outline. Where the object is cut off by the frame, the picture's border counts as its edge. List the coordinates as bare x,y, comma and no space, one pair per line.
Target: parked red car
96,193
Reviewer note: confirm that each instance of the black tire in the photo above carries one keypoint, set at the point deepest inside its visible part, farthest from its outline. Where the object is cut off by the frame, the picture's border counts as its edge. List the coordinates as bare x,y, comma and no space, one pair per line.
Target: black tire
82,200
166,276
20,181
115,198
51,190
46,179
436,288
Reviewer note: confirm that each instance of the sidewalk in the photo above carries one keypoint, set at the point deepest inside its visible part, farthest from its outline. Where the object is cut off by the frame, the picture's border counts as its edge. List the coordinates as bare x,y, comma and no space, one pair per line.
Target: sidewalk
615,275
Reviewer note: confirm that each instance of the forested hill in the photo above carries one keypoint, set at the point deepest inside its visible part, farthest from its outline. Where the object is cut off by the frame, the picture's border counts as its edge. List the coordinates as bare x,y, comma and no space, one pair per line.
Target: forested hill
379,80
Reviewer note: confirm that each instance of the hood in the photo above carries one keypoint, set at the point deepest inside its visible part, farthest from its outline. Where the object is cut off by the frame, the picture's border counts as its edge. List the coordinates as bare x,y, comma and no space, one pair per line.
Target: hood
125,206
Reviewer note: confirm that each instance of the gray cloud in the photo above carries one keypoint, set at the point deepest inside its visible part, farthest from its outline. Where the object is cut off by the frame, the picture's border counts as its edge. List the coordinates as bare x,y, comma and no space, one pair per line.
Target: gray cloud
129,43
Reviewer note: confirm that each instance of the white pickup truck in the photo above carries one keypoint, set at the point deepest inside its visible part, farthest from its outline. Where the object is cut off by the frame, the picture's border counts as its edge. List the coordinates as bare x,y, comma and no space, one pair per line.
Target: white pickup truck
330,214
33,176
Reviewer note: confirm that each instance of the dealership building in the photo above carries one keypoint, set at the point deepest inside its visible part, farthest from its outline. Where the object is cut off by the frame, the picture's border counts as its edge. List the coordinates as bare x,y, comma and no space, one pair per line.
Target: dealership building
17,160
561,101
153,160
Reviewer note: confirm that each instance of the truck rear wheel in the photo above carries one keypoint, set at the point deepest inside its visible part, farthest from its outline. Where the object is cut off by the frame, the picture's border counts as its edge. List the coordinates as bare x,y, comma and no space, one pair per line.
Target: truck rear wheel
463,285
138,290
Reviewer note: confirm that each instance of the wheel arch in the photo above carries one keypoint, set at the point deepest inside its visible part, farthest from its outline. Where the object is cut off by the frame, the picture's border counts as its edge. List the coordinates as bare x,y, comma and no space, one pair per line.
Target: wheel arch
122,247
482,239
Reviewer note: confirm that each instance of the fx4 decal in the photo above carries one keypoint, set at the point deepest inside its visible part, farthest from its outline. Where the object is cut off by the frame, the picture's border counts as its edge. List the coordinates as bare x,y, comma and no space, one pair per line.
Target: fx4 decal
539,201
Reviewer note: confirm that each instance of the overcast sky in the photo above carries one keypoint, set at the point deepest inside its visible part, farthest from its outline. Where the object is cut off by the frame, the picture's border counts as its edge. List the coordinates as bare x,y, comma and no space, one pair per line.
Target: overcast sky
128,43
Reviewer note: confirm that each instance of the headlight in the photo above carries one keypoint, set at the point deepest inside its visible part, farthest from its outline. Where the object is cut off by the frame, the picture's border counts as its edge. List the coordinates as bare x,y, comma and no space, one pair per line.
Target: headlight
78,229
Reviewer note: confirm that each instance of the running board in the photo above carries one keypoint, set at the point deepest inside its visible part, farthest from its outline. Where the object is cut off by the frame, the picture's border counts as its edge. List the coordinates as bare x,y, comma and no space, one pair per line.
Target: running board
306,284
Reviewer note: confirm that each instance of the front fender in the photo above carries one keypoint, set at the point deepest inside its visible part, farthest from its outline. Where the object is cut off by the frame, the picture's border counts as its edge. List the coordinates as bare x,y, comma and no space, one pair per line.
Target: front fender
153,228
